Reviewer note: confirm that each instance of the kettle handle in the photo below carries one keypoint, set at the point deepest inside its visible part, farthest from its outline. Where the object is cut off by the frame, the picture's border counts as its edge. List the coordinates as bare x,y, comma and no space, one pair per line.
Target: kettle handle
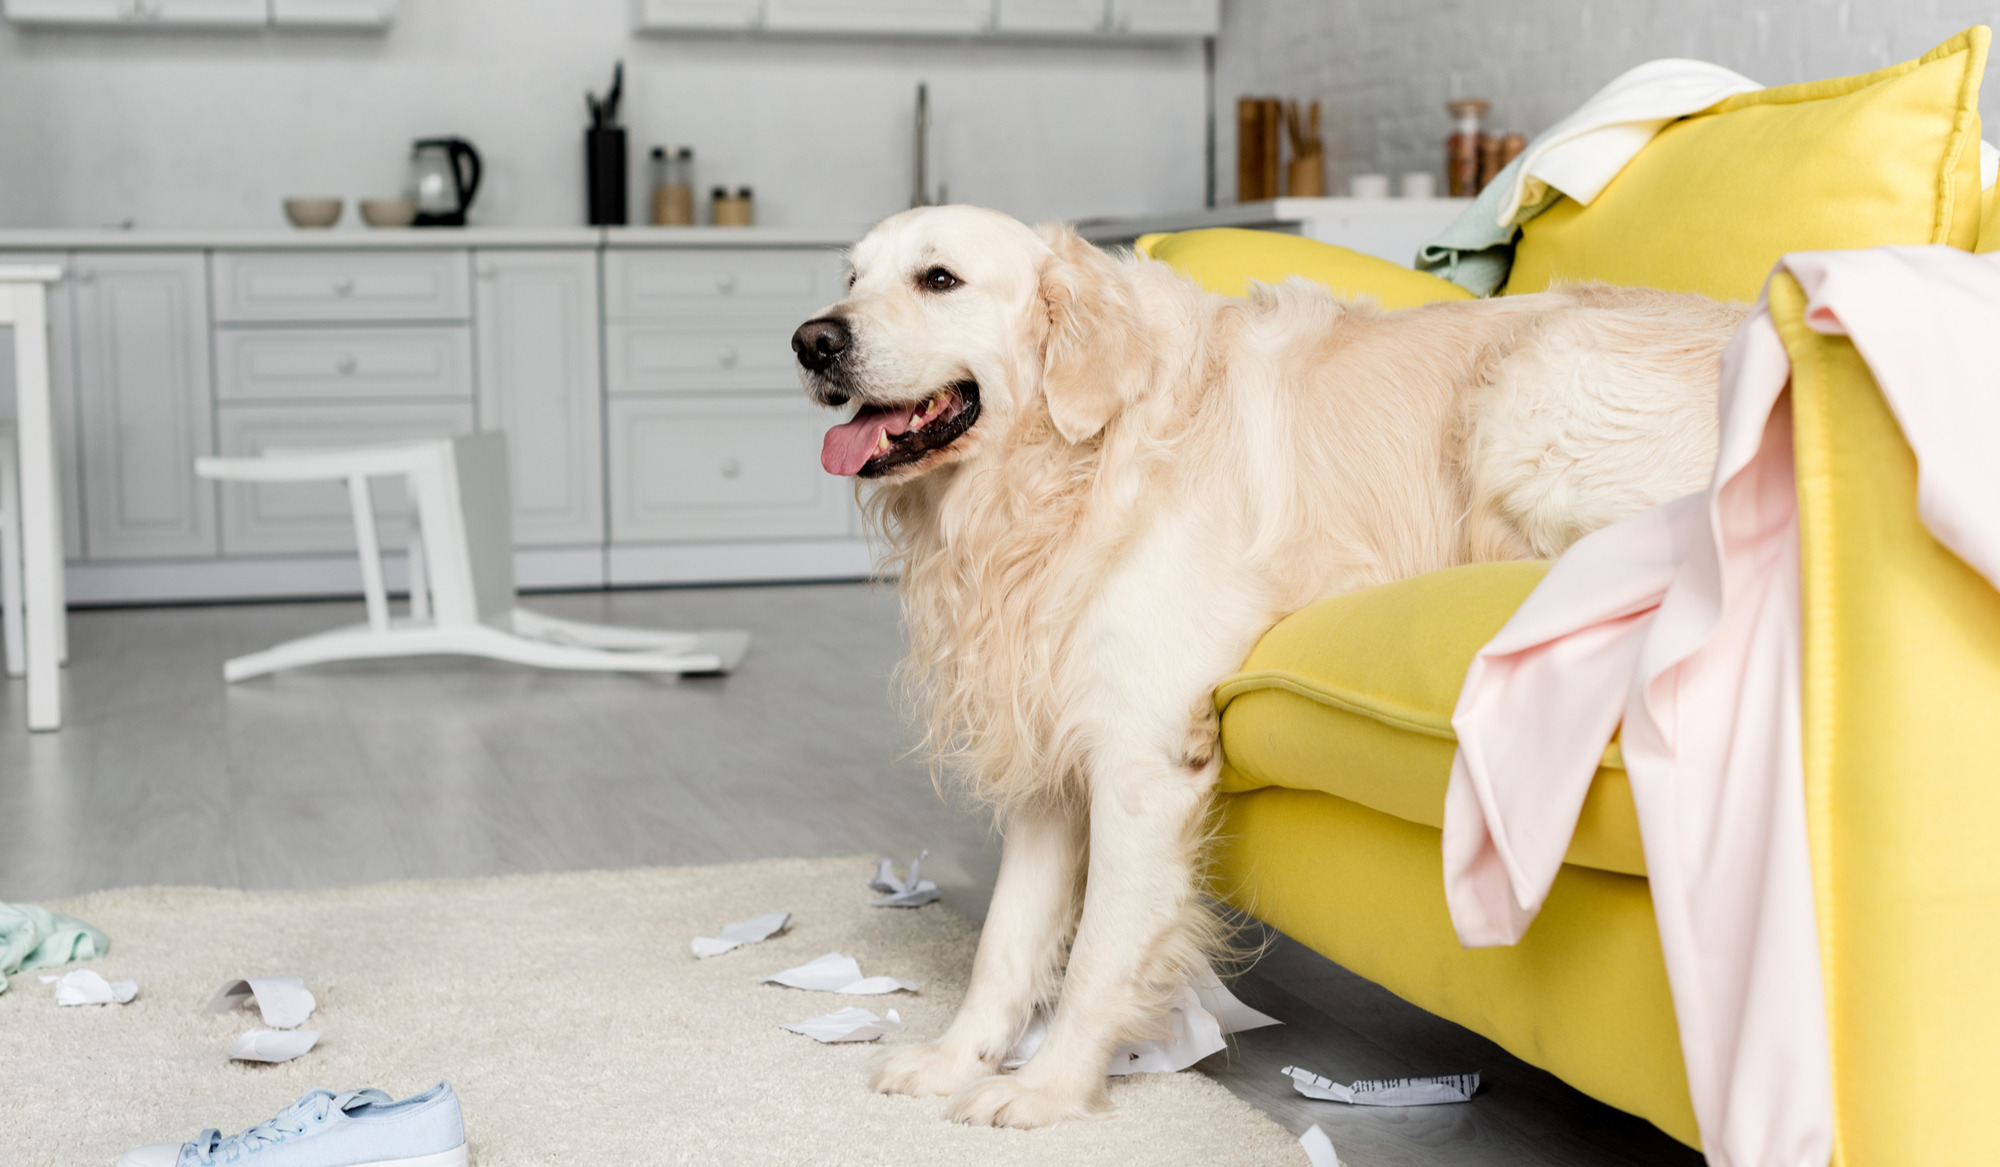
467,186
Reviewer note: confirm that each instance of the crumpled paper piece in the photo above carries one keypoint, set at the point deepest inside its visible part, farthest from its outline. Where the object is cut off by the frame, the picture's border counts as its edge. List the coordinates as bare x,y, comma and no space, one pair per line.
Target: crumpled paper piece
1319,1148
283,1001
849,1024
1202,1013
743,932
835,973
1386,1091
271,1045
911,892
86,987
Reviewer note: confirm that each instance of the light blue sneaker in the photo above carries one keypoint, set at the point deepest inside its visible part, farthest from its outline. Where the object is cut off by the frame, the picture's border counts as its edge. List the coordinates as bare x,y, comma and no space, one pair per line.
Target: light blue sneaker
360,1128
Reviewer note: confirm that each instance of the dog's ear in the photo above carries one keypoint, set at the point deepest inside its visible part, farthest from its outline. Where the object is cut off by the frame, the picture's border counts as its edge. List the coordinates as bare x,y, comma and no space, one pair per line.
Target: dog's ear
1095,360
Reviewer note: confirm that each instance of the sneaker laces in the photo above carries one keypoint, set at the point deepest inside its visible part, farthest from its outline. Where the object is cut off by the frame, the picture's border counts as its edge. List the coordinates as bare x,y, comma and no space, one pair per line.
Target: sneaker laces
210,1148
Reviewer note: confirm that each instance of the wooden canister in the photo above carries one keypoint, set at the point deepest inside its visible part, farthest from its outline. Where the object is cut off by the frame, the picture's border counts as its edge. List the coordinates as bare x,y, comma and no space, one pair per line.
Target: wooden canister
730,209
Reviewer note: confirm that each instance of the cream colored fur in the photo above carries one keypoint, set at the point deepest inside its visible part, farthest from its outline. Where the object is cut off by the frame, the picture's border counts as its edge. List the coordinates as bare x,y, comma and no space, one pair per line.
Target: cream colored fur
1157,475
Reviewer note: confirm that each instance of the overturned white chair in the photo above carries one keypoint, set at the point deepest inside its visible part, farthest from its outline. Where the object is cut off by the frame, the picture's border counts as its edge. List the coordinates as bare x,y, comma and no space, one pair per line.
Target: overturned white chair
461,566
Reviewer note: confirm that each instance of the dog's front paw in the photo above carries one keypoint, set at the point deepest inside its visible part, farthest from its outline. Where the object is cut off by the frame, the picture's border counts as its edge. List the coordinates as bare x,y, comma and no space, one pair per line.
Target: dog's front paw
928,1069
1015,1100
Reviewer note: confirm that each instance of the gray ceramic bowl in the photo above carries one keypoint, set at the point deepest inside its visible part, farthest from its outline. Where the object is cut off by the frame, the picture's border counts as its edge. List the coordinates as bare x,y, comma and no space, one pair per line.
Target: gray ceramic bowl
388,212
313,212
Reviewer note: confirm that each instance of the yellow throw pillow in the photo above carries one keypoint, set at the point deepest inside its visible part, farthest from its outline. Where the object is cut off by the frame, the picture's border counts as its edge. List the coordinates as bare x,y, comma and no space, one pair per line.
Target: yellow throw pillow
1989,222
1225,259
1885,157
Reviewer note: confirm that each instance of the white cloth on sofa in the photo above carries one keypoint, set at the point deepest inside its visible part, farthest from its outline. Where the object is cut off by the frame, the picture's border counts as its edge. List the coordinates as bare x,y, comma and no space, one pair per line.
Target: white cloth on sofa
1683,623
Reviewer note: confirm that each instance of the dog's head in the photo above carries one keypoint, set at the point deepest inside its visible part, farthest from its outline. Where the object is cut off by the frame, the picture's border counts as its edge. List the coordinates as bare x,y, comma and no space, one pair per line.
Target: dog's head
958,322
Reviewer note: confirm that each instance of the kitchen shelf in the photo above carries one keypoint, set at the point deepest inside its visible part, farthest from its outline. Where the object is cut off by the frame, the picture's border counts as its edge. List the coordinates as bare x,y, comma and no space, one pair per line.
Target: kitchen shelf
1066,19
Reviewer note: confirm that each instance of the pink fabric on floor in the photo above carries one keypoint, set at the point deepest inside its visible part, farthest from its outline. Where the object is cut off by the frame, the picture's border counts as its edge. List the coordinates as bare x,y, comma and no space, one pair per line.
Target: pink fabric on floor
1682,623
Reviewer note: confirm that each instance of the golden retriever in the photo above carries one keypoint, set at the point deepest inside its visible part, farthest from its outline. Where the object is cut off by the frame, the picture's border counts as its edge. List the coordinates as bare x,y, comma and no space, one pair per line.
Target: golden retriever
1102,484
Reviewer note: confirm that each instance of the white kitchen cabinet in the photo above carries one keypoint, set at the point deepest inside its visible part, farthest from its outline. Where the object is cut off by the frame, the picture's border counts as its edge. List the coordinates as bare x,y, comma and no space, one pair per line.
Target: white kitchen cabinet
353,14
668,285
1167,17
378,363
883,16
297,518
537,323
140,12
1051,16
62,393
677,357
680,15
312,286
144,404
722,468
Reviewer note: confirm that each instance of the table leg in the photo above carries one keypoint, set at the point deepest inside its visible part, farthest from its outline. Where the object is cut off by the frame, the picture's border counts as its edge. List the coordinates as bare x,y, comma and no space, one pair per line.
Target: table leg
41,539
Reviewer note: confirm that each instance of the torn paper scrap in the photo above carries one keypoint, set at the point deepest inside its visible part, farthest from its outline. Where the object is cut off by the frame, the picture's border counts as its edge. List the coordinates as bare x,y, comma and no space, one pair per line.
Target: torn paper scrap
283,1001
834,973
1319,1148
273,1045
1386,1091
849,1024
85,987
1201,1015
911,892
743,932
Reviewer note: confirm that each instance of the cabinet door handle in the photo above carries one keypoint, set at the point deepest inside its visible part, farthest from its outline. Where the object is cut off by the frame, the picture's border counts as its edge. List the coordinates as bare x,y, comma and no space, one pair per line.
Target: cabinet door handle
84,277
347,364
726,358
344,286
725,283
731,468
489,274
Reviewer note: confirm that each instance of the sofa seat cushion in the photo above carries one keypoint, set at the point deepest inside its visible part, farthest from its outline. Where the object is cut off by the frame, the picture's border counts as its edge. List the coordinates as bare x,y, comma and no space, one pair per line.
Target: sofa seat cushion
1889,157
1353,697
1225,259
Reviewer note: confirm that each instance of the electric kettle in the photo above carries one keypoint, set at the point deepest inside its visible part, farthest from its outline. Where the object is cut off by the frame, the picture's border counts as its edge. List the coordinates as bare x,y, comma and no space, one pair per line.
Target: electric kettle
444,175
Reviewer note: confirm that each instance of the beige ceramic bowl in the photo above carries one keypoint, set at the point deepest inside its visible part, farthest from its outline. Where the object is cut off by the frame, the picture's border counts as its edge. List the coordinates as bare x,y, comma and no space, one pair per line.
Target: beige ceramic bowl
313,212
389,212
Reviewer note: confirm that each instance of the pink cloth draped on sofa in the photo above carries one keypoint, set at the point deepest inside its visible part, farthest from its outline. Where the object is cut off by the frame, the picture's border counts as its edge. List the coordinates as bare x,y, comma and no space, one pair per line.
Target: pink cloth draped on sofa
1682,624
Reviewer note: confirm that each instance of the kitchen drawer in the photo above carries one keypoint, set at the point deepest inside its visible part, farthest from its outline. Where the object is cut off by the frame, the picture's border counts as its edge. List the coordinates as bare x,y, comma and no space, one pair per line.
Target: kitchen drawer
288,518
722,468
303,286
277,364
678,358
788,285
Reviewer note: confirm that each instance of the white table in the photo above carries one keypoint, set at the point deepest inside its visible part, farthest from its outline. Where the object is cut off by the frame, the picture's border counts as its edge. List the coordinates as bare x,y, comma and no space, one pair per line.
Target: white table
24,307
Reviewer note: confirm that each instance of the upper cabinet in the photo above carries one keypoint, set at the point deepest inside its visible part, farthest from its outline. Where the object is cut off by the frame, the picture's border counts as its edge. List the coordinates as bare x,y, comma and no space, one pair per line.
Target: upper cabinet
1105,18
212,13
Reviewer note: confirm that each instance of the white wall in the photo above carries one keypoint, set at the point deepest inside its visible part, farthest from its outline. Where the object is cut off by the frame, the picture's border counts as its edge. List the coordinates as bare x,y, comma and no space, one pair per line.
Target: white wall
1385,69
176,129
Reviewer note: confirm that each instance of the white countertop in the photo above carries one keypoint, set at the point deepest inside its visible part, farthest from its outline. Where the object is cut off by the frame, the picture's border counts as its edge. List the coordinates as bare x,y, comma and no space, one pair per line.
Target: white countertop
1275,213
415,238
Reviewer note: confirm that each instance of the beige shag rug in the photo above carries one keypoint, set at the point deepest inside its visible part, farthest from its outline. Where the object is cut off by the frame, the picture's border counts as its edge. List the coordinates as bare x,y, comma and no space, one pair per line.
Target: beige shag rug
569,1014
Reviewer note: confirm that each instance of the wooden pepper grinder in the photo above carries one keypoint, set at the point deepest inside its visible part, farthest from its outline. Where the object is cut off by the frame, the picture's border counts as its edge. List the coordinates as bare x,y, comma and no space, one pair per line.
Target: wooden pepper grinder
1461,151
1305,175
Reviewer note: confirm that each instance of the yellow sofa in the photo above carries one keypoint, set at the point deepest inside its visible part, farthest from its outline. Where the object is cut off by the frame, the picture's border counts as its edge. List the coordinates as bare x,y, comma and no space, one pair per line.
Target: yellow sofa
1336,733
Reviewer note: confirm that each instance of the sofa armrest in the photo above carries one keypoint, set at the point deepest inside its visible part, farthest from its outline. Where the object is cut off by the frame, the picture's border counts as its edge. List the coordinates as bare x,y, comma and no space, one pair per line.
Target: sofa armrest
1901,725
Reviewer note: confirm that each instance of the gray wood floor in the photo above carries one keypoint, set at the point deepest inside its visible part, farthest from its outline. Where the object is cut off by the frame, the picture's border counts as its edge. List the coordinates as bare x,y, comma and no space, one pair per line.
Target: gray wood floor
420,769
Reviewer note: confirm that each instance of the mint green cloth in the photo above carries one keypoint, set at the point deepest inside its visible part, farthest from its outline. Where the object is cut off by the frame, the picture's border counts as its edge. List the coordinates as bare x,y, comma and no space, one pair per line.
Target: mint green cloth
1476,252
32,937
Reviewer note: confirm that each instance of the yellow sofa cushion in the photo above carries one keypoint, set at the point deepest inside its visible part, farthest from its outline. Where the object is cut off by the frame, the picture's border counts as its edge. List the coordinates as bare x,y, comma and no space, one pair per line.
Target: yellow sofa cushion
1225,259
1882,158
1989,222
1583,995
1353,697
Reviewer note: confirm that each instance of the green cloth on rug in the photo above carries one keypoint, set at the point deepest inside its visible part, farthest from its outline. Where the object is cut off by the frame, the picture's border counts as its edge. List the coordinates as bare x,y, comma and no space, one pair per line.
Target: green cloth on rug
32,937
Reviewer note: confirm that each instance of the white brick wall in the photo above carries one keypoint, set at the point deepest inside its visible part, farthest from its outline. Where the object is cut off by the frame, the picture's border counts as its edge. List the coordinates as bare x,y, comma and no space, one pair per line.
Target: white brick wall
1384,68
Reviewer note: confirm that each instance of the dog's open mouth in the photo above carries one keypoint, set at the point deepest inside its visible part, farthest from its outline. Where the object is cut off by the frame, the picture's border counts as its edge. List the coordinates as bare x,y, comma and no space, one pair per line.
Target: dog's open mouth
883,437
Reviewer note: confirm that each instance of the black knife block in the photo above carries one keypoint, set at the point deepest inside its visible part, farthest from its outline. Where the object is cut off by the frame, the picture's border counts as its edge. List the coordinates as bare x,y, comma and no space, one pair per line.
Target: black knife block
604,166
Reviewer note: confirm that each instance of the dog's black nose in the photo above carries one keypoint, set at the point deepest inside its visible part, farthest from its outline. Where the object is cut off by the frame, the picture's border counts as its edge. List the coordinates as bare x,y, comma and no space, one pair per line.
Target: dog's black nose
820,342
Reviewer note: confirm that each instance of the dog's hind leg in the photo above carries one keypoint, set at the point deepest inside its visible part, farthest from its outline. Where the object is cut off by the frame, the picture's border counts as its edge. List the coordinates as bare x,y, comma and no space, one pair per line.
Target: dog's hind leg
1143,929
1020,950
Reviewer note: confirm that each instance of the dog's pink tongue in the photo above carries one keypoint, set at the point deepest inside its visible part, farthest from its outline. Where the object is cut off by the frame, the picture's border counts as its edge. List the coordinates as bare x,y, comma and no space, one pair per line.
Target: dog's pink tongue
848,446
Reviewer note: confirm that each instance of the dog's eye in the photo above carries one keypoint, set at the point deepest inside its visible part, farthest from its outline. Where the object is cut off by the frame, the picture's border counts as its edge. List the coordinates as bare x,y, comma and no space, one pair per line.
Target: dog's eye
939,280
850,281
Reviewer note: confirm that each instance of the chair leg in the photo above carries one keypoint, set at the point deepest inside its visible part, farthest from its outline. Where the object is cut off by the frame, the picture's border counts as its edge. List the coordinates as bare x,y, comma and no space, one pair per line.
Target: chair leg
12,629
363,643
